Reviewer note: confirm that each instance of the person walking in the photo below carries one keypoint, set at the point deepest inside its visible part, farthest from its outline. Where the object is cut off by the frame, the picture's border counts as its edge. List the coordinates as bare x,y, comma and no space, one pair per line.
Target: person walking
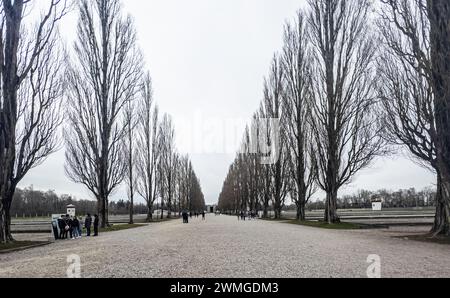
96,221
88,225
203,215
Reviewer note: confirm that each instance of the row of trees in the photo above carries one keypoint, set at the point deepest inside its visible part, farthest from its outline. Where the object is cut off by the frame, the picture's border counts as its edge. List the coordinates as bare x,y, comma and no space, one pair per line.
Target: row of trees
348,86
114,131
100,92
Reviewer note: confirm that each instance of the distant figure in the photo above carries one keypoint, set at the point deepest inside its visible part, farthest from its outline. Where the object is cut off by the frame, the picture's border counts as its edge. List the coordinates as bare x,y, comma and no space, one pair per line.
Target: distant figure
190,214
185,217
75,228
203,215
96,221
88,225
242,215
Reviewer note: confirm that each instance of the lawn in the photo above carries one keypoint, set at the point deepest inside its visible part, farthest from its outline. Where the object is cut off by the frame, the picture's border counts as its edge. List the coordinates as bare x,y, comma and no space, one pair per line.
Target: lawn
325,225
276,220
19,245
115,228
427,238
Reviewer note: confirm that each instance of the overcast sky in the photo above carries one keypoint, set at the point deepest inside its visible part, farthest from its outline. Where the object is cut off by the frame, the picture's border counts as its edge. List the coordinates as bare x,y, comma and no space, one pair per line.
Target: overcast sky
207,59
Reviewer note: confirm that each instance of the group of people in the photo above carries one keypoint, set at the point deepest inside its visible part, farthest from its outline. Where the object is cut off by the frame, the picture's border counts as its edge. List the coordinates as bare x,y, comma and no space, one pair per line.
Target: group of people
186,215
243,215
71,227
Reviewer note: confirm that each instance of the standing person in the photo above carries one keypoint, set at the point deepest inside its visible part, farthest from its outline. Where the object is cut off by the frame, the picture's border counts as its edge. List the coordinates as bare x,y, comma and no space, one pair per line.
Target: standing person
96,221
68,227
75,226
203,215
185,217
88,225
62,227
80,226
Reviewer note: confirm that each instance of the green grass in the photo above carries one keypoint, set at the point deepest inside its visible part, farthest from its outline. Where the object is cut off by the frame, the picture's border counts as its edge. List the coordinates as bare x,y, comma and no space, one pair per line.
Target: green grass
115,228
276,220
325,225
18,245
158,220
427,238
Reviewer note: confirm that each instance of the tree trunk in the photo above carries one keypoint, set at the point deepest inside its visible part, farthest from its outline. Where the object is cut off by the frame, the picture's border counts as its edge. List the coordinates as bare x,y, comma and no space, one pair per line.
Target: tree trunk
266,208
331,215
278,208
8,231
442,220
3,231
131,209
150,214
439,14
101,212
301,214
162,209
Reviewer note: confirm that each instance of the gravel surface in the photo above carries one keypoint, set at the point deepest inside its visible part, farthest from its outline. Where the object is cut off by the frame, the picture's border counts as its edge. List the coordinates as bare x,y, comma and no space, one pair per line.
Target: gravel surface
224,247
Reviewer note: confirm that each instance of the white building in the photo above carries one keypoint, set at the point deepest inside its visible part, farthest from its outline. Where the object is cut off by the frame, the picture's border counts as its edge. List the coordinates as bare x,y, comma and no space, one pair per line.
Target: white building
71,210
377,204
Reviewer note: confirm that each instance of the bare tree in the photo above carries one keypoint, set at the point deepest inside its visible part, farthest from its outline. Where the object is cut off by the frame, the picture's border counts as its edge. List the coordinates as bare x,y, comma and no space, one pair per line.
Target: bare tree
439,15
296,110
101,79
346,133
276,136
148,147
407,89
31,91
168,164
130,151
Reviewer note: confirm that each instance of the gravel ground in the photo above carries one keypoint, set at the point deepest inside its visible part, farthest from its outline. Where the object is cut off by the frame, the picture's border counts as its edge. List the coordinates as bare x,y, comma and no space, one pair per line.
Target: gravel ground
224,247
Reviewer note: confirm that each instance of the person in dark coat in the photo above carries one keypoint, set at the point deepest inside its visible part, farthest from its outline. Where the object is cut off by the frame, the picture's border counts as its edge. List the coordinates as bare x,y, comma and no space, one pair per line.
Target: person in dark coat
88,225
185,217
69,223
203,215
75,226
62,227
96,222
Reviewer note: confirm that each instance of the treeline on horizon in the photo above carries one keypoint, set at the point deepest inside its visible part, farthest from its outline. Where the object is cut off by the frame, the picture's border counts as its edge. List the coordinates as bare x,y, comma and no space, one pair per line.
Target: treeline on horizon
29,202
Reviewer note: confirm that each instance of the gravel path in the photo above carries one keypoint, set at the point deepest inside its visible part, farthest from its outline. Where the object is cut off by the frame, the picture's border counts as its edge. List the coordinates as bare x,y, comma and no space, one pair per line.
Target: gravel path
224,247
